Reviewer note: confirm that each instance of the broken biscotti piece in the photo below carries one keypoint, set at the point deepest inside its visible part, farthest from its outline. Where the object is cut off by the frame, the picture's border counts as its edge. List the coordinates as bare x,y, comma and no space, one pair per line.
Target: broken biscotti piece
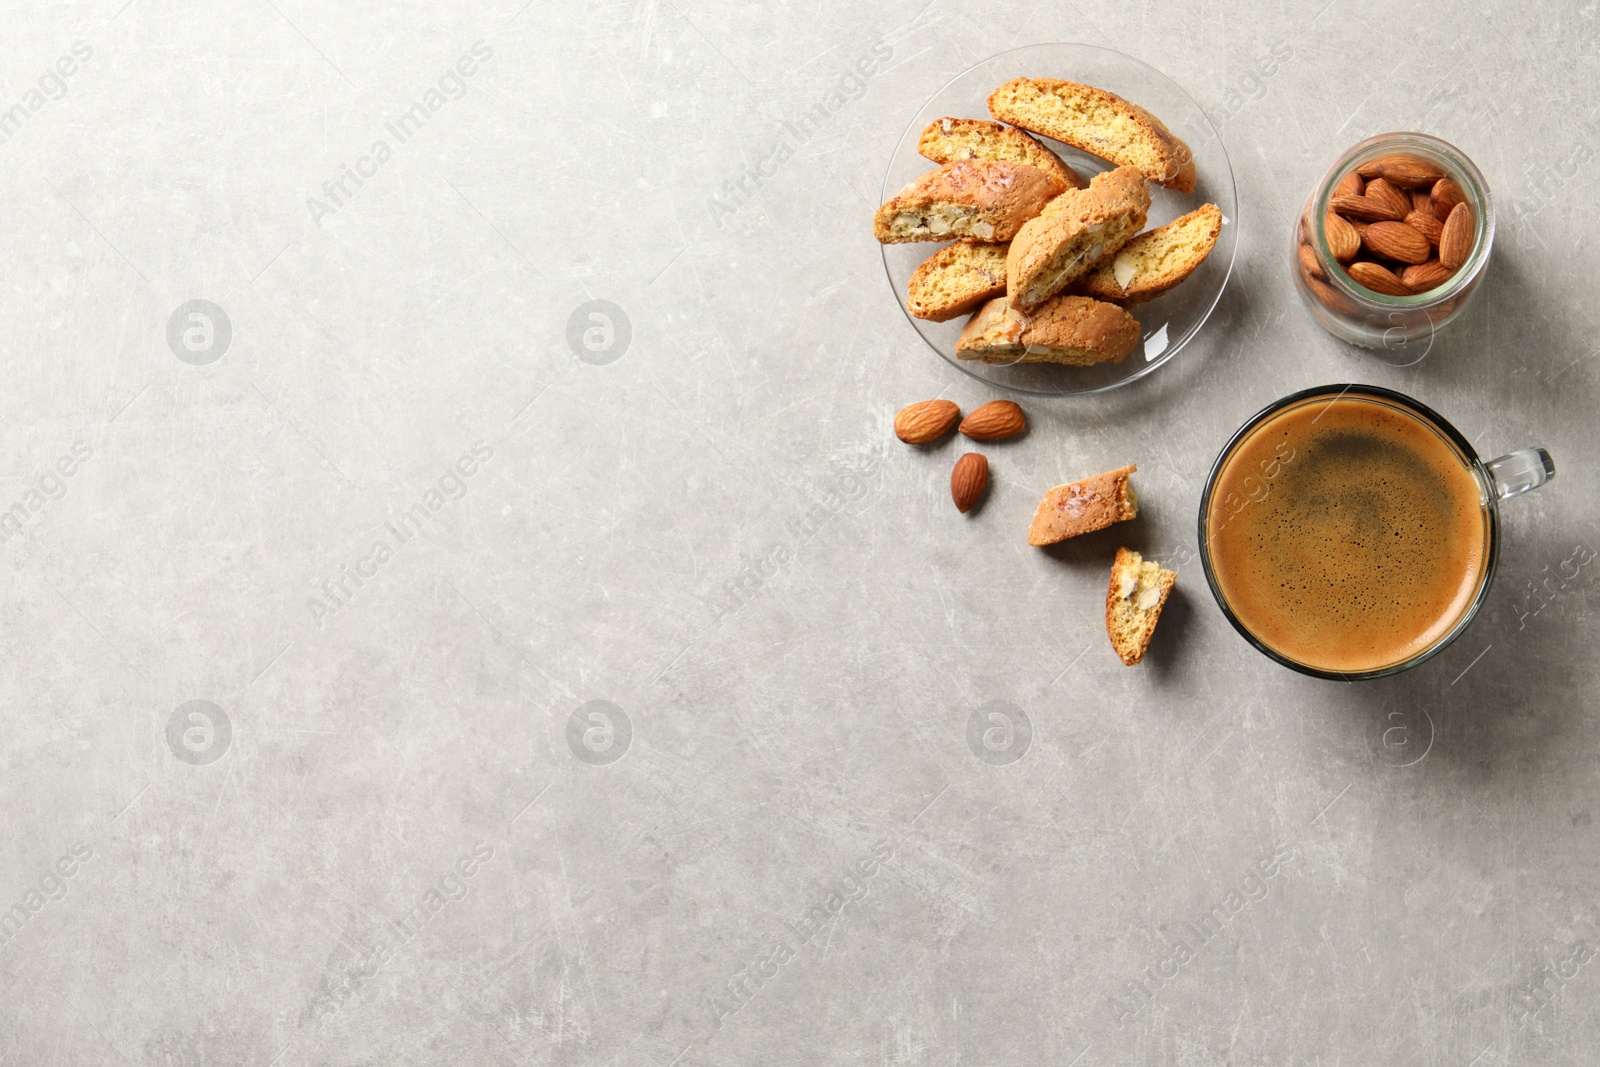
947,140
1098,122
1139,590
956,279
1083,507
989,201
1075,232
1075,330
1154,262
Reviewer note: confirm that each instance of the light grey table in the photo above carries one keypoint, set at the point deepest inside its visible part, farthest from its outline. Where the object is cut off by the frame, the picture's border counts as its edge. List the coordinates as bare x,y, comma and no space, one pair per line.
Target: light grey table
369,506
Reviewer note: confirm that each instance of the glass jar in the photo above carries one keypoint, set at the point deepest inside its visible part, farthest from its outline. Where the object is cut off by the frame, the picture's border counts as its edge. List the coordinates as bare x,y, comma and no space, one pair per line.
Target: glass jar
1363,316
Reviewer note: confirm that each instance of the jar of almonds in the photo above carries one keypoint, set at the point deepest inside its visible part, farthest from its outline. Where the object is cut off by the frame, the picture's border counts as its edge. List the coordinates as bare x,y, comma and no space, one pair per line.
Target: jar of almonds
1392,241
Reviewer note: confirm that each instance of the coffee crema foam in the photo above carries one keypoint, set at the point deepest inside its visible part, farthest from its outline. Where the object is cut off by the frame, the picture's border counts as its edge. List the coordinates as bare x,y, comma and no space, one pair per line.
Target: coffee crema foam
1346,534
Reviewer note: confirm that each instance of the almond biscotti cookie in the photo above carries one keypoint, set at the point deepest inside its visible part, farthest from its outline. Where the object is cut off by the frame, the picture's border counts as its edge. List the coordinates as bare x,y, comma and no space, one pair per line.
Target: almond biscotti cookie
1098,122
988,201
1075,330
949,139
1153,262
1074,233
1083,507
1139,590
956,279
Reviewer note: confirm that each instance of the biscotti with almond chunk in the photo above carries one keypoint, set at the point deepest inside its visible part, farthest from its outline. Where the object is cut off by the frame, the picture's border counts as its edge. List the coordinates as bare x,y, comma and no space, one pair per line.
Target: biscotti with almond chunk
1083,507
1139,590
1074,233
988,201
1098,122
949,139
1076,330
956,279
1155,261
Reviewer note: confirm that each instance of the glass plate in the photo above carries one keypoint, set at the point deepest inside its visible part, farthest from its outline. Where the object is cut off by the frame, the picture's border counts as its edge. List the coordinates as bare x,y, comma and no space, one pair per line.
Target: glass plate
1167,323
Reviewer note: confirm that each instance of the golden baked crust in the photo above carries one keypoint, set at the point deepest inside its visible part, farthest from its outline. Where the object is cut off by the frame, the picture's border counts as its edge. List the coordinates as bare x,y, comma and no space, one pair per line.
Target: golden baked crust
1074,233
1083,507
1138,591
988,201
956,279
1097,122
1155,261
1075,330
949,139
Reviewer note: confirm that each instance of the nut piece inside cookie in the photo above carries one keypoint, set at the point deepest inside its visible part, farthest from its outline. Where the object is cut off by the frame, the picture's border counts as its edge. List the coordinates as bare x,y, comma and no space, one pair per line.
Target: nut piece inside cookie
1124,268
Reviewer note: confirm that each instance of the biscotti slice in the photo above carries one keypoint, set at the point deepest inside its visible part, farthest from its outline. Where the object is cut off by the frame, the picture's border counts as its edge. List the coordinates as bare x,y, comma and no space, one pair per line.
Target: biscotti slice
1154,262
1139,590
1076,330
947,140
989,201
956,279
1074,233
1083,507
1098,122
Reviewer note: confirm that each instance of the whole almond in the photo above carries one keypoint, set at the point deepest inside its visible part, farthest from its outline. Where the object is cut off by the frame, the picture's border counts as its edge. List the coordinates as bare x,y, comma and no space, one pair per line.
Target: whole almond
1455,239
1420,277
927,421
1343,239
1396,240
1398,204
1378,278
1350,185
1422,200
994,420
1308,262
1365,209
1424,223
1446,195
968,481
1335,302
1404,171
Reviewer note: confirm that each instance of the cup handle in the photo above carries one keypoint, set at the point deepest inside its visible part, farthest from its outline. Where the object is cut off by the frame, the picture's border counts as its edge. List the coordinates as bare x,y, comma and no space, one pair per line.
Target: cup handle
1517,472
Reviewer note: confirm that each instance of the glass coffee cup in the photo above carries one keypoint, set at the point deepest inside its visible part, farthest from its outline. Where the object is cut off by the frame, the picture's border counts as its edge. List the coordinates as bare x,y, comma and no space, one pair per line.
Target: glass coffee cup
1349,532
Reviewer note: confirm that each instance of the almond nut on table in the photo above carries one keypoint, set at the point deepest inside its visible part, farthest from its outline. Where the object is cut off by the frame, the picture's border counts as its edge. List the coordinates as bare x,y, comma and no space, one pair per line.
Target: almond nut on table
968,481
995,420
927,421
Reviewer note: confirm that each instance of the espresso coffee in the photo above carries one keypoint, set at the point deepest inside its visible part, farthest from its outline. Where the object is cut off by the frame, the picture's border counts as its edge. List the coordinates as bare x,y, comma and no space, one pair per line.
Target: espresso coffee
1347,534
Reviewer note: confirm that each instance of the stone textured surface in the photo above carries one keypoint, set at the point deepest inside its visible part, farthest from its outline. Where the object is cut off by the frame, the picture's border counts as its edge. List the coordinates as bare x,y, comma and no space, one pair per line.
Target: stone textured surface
398,832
